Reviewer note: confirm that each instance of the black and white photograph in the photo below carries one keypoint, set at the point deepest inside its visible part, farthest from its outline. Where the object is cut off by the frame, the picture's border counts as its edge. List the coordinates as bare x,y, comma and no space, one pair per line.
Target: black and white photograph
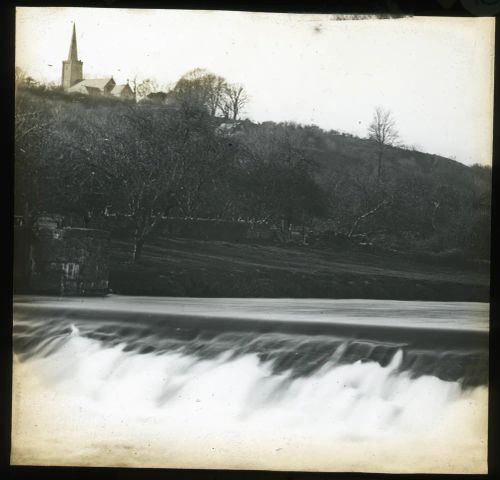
252,240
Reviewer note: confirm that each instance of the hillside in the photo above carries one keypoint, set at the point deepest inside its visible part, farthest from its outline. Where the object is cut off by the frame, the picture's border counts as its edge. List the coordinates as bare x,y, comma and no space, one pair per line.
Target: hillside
428,202
368,235
334,151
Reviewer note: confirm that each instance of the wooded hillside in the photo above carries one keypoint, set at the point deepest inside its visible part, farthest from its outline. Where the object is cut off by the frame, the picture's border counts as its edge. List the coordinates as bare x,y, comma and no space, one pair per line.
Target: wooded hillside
84,156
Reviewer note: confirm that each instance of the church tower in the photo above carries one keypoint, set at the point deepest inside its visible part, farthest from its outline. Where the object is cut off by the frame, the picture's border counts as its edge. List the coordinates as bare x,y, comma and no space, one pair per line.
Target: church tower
72,68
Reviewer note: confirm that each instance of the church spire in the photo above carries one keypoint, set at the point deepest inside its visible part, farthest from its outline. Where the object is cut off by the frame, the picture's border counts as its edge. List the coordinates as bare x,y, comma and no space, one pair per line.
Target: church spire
72,71
73,53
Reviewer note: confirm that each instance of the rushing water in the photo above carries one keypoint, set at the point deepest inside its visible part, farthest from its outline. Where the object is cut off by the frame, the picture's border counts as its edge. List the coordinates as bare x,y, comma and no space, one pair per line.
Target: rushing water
359,385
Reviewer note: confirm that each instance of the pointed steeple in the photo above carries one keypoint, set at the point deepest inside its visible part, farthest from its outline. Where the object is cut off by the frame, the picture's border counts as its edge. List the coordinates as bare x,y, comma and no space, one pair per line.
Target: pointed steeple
73,53
72,68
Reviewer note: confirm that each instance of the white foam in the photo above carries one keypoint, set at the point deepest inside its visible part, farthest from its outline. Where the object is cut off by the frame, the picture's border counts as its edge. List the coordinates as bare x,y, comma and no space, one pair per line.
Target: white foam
90,404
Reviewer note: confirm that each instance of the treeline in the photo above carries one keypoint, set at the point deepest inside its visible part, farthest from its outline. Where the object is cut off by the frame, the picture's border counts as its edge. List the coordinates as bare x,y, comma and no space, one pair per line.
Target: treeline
185,153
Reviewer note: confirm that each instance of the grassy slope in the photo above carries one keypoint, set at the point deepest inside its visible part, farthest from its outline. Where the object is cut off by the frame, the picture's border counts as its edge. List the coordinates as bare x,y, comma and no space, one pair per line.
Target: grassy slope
185,267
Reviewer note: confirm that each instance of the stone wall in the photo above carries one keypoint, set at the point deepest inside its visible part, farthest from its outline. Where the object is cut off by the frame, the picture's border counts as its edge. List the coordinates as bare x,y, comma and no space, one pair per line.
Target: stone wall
69,261
23,255
196,228
120,227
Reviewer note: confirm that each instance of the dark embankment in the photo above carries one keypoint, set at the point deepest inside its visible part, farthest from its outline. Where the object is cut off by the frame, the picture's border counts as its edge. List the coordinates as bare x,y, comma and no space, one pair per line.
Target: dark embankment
185,267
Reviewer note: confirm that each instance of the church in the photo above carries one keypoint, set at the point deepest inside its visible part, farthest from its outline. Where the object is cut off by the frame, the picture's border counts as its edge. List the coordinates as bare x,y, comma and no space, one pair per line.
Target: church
73,81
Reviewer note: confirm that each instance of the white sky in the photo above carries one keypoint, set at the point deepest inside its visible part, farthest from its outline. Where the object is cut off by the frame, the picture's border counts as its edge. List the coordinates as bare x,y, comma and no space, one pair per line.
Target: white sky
434,74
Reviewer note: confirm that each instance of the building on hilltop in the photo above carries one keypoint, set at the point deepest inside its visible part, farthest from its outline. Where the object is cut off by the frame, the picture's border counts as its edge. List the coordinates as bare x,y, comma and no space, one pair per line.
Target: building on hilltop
73,82
72,70
94,86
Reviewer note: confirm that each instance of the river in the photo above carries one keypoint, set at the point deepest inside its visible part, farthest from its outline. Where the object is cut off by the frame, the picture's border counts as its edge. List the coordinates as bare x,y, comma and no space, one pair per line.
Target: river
277,384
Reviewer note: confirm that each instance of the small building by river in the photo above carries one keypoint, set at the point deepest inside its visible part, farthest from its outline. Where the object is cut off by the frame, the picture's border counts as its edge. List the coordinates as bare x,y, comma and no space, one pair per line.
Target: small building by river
52,259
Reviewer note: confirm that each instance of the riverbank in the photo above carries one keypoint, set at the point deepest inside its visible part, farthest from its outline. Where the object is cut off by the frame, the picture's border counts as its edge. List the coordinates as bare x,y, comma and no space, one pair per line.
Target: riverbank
197,268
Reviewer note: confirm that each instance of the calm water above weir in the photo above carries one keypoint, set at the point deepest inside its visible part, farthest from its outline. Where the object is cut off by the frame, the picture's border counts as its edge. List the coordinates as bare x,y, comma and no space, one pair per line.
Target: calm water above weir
251,383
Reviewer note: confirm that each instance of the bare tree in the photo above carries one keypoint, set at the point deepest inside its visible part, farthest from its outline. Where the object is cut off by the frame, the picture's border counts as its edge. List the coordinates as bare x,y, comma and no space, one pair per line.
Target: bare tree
234,101
20,77
32,122
200,88
277,182
144,88
382,129
365,215
131,157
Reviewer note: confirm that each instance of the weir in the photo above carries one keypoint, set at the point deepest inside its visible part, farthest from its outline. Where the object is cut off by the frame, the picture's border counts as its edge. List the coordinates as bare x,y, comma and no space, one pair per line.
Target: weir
301,346
175,378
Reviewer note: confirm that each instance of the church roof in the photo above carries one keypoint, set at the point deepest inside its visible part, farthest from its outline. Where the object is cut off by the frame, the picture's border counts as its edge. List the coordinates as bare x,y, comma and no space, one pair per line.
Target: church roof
92,89
99,83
